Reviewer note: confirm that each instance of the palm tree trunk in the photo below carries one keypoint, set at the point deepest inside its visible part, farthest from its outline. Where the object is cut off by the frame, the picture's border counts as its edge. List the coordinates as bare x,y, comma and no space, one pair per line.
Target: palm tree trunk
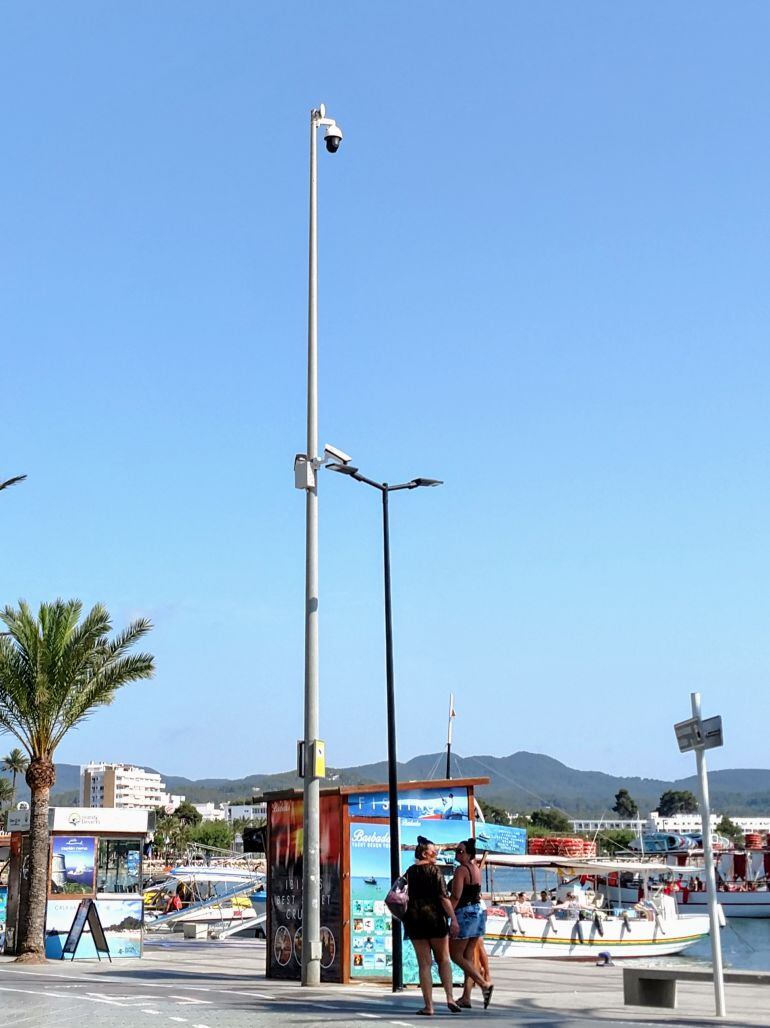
41,775
13,791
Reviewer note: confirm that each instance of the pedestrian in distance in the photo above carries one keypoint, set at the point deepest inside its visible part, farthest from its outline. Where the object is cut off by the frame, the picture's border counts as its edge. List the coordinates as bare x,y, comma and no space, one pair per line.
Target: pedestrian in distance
472,923
428,921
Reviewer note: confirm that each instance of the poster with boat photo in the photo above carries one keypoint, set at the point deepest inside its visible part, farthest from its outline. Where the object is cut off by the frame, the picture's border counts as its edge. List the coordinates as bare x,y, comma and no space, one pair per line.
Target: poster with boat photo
72,865
415,804
121,921
371,936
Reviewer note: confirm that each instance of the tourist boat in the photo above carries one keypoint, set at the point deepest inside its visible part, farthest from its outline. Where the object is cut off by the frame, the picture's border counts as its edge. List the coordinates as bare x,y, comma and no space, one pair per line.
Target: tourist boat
742,882
587,932
221,896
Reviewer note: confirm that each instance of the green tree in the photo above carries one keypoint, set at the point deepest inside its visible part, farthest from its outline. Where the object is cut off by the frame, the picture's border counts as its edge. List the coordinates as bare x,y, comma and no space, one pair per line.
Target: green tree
625,804
17,764
213,833
6,796
186,814
553,820
675,801
614,841
55,670
731,830
492,813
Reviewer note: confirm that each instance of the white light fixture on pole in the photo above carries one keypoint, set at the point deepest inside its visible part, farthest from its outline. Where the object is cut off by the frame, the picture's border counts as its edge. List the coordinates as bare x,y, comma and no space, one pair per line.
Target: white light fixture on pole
699,735
305,467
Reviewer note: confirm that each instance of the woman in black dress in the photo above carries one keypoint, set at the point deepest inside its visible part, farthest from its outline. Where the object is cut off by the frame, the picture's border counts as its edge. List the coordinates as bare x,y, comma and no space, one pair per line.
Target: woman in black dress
425,923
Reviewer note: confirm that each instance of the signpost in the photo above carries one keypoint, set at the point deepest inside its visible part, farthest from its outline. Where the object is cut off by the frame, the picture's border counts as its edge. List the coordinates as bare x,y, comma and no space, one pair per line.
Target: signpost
699,735
86,914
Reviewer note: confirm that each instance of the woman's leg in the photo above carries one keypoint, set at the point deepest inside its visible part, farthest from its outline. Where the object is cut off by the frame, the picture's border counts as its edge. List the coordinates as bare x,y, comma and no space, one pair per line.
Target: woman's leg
471,953
422,948
441,952
462,953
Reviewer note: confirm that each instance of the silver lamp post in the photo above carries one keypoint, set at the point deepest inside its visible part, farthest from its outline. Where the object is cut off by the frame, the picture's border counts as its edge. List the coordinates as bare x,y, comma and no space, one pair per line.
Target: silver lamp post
305,467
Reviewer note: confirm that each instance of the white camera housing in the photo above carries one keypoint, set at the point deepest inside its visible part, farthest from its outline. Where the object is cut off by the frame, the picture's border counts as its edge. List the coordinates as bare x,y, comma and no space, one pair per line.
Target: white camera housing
336,455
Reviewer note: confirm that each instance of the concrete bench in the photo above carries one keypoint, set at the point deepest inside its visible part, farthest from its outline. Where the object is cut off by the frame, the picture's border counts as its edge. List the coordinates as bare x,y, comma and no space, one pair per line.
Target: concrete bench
656,986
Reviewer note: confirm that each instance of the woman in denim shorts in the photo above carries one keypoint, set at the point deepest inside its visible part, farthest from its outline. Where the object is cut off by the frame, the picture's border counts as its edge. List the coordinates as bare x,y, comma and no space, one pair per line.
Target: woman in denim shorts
472,920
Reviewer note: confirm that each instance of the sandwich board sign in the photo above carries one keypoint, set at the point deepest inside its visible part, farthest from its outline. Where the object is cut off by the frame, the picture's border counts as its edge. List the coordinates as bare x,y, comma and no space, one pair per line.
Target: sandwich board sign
86,914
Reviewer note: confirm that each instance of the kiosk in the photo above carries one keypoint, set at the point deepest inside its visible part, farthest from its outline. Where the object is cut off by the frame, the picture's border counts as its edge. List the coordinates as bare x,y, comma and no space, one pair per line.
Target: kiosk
95,853
356,928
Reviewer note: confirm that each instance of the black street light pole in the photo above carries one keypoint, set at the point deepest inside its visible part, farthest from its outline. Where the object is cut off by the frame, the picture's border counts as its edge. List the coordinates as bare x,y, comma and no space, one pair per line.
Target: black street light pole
395,840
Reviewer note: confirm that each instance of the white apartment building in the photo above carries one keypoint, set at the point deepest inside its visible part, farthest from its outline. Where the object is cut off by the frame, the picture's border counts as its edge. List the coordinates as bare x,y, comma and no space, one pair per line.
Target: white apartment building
245,811
121,785
210,811
681,824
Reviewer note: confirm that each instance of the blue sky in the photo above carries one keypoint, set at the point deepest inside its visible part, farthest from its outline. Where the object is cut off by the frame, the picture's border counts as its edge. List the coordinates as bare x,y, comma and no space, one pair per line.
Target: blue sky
544,254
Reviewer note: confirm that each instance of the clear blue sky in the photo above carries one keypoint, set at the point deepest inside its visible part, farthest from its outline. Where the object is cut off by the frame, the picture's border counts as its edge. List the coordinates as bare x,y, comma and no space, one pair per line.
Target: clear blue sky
544,279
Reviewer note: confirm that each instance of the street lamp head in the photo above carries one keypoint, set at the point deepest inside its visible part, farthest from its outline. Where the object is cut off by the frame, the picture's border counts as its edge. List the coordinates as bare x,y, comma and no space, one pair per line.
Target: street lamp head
416,483
342,469
333,137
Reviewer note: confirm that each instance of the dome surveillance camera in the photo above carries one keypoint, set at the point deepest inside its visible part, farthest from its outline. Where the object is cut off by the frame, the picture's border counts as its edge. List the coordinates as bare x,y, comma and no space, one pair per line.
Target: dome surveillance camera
333,138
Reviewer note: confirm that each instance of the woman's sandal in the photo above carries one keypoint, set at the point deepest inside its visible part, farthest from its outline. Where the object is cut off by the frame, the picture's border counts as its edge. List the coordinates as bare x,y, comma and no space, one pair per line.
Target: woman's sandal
487,994
465,1004
454,1007
424,1012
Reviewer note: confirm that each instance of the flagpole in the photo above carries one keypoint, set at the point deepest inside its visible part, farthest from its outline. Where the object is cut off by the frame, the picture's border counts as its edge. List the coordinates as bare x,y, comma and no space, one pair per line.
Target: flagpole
449,734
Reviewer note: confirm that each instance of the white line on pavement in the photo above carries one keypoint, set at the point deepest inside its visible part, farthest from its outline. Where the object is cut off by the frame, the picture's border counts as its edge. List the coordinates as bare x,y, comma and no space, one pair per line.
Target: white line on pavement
374,1017
257,995
403,1024
146,1010
190,1001
183,1020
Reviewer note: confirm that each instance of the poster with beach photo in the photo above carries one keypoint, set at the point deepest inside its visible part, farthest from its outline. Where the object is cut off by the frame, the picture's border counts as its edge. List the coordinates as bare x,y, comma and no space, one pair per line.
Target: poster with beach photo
121,921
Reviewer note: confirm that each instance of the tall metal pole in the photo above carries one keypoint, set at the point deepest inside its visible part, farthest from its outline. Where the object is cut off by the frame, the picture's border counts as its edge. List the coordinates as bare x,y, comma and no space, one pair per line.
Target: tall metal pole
311,862
449,735
708,857
395,840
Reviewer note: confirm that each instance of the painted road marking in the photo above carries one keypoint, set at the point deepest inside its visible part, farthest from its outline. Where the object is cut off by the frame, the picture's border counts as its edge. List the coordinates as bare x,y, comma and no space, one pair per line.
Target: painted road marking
183,1020
148,1011
374,1017
190,1000
256,995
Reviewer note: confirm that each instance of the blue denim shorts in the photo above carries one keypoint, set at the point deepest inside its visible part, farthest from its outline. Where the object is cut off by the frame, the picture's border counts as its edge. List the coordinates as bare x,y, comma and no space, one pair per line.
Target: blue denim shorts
472,920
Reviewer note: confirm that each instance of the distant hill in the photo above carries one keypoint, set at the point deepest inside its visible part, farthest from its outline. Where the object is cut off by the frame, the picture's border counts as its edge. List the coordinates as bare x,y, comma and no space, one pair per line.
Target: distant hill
519,782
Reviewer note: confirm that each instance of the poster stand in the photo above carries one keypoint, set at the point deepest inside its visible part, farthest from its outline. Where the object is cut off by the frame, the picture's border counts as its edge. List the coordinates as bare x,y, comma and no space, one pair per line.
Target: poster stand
86,914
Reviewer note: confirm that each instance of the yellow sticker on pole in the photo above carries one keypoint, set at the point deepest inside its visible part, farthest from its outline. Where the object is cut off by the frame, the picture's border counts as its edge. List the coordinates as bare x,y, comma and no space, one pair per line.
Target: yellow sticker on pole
319,759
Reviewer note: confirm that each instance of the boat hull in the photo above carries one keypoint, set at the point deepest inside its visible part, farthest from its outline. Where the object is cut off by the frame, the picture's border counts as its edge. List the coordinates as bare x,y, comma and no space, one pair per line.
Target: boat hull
734,904
583,940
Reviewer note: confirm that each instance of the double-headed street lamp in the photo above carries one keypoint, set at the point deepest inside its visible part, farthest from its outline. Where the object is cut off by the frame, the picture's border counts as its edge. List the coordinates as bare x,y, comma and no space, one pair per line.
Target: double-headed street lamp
305,472
395,841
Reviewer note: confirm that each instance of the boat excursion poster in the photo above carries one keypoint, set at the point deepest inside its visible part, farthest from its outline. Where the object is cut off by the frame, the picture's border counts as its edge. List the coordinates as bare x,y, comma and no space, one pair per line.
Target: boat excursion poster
500,838
416,804
285,874
72,864
121,920
371,938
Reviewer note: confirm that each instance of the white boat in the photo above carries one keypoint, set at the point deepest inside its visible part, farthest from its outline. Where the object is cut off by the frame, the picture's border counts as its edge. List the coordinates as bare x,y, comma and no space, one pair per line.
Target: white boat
742,883
221,896
585,933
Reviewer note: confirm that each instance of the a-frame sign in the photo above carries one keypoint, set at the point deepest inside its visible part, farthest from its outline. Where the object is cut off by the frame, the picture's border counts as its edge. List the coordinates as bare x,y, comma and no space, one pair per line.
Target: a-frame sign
86,914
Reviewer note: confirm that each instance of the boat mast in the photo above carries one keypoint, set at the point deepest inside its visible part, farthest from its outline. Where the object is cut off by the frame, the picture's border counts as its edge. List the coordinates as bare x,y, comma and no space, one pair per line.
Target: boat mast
449,734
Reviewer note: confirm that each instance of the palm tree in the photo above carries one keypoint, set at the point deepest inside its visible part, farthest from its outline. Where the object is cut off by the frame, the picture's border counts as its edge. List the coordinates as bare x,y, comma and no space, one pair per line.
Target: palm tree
54,671
6,792
17,764
12,481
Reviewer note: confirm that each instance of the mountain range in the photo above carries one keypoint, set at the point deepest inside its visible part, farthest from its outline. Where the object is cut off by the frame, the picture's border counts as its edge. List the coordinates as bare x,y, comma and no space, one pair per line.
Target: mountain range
520,782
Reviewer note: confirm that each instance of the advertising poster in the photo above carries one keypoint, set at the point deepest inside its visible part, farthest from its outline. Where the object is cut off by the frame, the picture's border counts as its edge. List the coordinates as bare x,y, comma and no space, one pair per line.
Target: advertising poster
371,938
285,889
500,838
72,864
416,804
121,920
3,906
